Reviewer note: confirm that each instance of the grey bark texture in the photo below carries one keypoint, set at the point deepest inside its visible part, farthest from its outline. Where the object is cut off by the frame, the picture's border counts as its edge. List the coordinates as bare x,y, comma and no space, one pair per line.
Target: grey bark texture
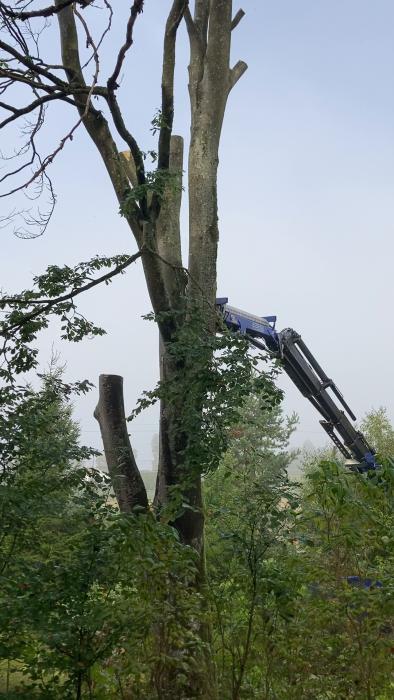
126,479
155,223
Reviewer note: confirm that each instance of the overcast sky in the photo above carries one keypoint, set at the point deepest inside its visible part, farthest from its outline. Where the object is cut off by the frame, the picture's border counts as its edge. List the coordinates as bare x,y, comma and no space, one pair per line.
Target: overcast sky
306,197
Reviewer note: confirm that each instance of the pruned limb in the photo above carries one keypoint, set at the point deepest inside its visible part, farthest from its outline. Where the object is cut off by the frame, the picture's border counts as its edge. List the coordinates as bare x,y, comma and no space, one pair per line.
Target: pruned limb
129,167
237,18
30,65
236,73
17,113
126,479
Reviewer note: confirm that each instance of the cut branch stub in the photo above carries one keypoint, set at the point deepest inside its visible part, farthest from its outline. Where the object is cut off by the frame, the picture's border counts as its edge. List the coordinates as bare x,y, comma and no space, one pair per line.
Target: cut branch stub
237,72
128,163
126,479
239,15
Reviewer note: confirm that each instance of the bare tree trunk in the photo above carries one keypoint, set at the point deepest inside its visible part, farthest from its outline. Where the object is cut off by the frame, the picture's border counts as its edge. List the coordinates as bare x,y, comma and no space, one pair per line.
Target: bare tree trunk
126,479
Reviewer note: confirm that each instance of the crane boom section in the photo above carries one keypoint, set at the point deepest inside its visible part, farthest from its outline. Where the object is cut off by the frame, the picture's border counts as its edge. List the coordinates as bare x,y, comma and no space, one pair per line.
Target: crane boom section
306,373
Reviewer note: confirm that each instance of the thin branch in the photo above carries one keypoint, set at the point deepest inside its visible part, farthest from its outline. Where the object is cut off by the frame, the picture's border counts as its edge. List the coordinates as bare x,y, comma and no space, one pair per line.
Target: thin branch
18,76
136,9
90,42
47,305
44,12
104,33
48,160
126,136
9,108
30,145
32,106
30,65
112,85
15,32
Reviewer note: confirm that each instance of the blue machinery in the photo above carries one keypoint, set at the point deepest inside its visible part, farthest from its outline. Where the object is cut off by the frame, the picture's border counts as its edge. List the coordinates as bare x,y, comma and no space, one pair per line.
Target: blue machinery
306,373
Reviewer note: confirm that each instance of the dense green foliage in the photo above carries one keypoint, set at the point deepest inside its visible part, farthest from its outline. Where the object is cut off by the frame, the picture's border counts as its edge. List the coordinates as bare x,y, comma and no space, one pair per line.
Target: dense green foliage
378,430
85,591
95,604
298,602
301,575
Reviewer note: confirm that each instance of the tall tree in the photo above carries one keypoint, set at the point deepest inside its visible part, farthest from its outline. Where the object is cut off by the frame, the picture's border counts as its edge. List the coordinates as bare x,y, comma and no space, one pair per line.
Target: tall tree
182,296
150,201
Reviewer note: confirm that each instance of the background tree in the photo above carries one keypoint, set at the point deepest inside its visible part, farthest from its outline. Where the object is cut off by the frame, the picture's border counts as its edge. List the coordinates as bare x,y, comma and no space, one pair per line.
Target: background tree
249,500
342,588
379,432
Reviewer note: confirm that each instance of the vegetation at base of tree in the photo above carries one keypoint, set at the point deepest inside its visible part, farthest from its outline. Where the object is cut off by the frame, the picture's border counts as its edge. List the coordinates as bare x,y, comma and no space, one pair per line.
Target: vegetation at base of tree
96,604
82,587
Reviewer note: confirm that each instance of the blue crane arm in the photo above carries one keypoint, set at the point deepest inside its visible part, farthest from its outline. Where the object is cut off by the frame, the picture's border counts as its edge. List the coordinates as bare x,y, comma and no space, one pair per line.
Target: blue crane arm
308,376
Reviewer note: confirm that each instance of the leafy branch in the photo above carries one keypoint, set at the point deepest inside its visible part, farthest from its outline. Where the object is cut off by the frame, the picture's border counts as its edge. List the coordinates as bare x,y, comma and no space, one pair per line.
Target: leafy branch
157,182
54,292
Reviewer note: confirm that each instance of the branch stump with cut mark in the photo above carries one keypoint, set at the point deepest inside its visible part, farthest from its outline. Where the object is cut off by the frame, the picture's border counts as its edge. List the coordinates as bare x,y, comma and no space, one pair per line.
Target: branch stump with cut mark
126,479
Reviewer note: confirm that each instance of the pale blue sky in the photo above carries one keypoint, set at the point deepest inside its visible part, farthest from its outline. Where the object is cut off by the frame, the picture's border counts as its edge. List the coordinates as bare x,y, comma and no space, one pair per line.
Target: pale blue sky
306,200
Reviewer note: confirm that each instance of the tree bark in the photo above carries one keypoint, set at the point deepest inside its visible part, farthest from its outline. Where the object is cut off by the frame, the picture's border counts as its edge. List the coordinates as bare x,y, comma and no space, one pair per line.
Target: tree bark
126,479
156,229
168,231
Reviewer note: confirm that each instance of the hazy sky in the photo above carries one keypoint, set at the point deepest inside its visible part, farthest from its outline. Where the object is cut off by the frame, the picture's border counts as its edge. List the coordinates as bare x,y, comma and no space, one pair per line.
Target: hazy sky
306,200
